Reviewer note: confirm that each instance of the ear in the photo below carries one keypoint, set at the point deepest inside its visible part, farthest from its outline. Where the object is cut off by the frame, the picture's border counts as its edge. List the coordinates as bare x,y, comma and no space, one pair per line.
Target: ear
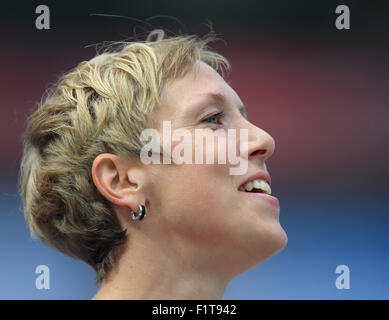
119,180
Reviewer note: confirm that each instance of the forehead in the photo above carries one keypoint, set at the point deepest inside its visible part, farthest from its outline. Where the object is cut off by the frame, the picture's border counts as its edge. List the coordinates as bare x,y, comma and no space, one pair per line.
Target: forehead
198,81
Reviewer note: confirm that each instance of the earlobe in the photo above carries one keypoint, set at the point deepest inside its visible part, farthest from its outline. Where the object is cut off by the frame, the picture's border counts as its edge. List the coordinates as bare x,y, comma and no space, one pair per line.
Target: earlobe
141,214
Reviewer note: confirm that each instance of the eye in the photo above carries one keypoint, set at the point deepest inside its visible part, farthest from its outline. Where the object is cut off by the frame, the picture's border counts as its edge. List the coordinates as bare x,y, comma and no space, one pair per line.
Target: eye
215,119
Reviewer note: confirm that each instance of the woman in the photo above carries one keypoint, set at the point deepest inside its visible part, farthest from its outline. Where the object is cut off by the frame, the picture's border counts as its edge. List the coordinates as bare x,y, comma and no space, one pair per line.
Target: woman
151,231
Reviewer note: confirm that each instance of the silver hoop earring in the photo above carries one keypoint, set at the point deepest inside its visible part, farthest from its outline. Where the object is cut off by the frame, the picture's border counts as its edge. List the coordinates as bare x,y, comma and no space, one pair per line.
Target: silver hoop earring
141,214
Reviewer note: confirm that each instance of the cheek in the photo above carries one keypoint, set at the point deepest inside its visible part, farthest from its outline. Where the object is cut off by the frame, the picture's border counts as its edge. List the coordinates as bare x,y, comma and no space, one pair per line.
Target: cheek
198,202
203,188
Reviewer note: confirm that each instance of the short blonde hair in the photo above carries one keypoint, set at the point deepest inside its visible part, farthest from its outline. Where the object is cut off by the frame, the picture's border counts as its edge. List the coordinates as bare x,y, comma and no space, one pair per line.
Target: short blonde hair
101,106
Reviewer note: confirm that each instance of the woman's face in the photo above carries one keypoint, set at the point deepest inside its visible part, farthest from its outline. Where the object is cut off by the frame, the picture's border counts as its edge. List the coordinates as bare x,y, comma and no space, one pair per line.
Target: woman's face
199,214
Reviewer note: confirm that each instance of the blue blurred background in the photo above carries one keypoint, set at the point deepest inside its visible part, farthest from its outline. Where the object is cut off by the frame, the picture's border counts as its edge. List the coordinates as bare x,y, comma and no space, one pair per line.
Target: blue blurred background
320,92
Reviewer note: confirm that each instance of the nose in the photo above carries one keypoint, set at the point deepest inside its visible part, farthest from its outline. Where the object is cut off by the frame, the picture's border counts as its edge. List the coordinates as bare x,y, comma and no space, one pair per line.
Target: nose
260,144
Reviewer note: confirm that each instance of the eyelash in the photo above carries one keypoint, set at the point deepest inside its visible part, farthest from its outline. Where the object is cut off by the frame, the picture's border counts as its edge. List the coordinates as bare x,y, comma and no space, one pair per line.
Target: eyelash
220,115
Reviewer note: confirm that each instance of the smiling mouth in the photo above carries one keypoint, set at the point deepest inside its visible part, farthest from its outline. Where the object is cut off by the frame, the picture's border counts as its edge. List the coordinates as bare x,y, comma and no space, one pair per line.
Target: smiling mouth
256,186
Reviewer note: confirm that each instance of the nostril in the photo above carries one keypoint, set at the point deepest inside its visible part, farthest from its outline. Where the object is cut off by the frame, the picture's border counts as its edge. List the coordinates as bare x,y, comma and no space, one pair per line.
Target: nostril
257,152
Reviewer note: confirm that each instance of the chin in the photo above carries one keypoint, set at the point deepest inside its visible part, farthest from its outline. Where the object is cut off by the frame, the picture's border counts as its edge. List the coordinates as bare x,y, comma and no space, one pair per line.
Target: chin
277,240
268,244
271,240
282,239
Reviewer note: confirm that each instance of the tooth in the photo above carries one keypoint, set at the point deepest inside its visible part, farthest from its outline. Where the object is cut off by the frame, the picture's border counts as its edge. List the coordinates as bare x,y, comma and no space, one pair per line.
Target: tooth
257,184
248,186
263,185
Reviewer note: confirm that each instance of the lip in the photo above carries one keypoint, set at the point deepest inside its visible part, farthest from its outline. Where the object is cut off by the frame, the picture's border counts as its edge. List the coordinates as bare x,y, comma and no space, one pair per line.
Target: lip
263,196
259,175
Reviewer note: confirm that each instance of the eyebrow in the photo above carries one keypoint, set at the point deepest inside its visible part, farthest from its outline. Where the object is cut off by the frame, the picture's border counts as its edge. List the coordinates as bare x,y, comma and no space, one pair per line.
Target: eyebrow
222,98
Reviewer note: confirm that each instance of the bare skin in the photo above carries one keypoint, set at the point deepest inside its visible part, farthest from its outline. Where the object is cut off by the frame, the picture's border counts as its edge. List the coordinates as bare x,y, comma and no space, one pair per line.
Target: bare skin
200,230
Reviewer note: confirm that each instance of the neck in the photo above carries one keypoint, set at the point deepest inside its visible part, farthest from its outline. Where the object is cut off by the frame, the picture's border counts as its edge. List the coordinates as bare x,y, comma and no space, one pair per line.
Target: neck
144,271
